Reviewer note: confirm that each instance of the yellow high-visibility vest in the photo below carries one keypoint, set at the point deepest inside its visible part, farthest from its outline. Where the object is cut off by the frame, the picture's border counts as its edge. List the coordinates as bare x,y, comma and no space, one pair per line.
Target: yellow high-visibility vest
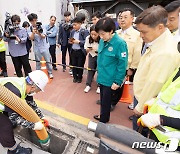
19,83
2,46
168,103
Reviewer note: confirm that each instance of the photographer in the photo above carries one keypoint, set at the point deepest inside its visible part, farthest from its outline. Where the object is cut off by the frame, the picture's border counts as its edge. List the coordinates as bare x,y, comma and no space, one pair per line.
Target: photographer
64,33
51,35
17,47
41,46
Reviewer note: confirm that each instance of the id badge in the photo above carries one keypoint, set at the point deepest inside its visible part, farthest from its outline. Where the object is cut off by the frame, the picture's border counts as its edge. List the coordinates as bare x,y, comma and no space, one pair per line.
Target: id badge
16,42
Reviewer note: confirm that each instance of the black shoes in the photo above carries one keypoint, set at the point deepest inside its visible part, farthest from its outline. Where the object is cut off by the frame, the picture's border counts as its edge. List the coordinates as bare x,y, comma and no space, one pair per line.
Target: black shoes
97,117
4,74
55,68
77,80
74,80
64,70
20,150
131,117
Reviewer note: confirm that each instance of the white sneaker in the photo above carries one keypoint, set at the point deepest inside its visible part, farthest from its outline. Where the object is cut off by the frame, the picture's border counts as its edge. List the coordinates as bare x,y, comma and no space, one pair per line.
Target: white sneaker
87,89
70,71
98,90
51,76
131,106
14,73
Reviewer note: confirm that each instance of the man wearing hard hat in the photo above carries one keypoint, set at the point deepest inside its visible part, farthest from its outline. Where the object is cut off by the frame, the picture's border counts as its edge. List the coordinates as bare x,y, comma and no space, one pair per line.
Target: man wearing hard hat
22,87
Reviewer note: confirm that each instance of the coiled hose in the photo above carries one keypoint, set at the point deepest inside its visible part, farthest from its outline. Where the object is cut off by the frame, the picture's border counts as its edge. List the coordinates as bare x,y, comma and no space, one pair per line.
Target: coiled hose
21,107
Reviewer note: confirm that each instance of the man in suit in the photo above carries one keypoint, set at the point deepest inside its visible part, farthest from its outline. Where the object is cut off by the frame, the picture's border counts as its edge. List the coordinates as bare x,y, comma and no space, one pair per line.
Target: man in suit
78,53
64,32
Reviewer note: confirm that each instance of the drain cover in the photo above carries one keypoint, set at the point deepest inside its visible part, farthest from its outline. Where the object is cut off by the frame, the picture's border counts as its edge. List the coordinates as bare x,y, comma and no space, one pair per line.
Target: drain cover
83,146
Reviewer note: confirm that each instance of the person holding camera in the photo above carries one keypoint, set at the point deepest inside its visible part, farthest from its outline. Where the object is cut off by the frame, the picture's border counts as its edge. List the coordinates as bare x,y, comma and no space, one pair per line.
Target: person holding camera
51,35
64,33
17,46
37,33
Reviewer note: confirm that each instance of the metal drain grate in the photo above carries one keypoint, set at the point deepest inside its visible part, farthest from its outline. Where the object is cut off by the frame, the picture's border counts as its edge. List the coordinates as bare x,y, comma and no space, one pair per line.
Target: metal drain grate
82,148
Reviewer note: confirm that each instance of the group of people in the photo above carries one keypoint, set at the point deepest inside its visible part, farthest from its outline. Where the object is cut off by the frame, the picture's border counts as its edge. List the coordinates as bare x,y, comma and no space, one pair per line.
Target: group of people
146,52
144,49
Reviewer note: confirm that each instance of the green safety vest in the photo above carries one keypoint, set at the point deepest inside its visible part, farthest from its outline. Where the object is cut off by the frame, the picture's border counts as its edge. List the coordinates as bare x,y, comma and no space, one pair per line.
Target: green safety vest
19,83
168,103
2,46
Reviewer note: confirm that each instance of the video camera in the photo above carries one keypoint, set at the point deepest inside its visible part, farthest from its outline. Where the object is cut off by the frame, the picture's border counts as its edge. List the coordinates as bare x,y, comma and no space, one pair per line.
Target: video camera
39,27
67,26
9,28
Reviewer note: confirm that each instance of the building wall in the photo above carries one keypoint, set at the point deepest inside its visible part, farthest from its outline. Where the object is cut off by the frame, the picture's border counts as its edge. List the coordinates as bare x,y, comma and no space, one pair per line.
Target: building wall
43,8
102,6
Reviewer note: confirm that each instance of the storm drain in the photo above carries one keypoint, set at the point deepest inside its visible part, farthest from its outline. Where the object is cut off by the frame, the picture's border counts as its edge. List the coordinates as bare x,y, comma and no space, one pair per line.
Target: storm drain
86,148
59,141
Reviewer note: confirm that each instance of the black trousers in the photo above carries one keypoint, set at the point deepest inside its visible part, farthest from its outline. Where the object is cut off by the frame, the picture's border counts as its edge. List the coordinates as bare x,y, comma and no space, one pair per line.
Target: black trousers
131,78
78,59
52,50
116,95
3,61
19,62
64,51
6,132
105,98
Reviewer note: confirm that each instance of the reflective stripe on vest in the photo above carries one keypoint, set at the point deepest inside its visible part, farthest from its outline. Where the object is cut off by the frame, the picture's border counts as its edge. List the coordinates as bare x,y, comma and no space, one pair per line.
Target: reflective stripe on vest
168,104
171,132
2,46
2,107
19,83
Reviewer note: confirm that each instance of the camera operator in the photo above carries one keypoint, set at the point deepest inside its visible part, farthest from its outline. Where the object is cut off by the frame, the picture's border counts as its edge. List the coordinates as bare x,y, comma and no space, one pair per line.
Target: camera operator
37,33
17,47
64,33
51,35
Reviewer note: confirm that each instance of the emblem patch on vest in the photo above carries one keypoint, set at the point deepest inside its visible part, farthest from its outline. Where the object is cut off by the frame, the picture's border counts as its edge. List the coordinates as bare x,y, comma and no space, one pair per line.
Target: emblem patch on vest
110,49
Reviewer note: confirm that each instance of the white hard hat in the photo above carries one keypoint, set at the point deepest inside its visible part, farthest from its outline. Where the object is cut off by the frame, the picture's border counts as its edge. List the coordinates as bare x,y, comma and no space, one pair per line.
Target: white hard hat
39,78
